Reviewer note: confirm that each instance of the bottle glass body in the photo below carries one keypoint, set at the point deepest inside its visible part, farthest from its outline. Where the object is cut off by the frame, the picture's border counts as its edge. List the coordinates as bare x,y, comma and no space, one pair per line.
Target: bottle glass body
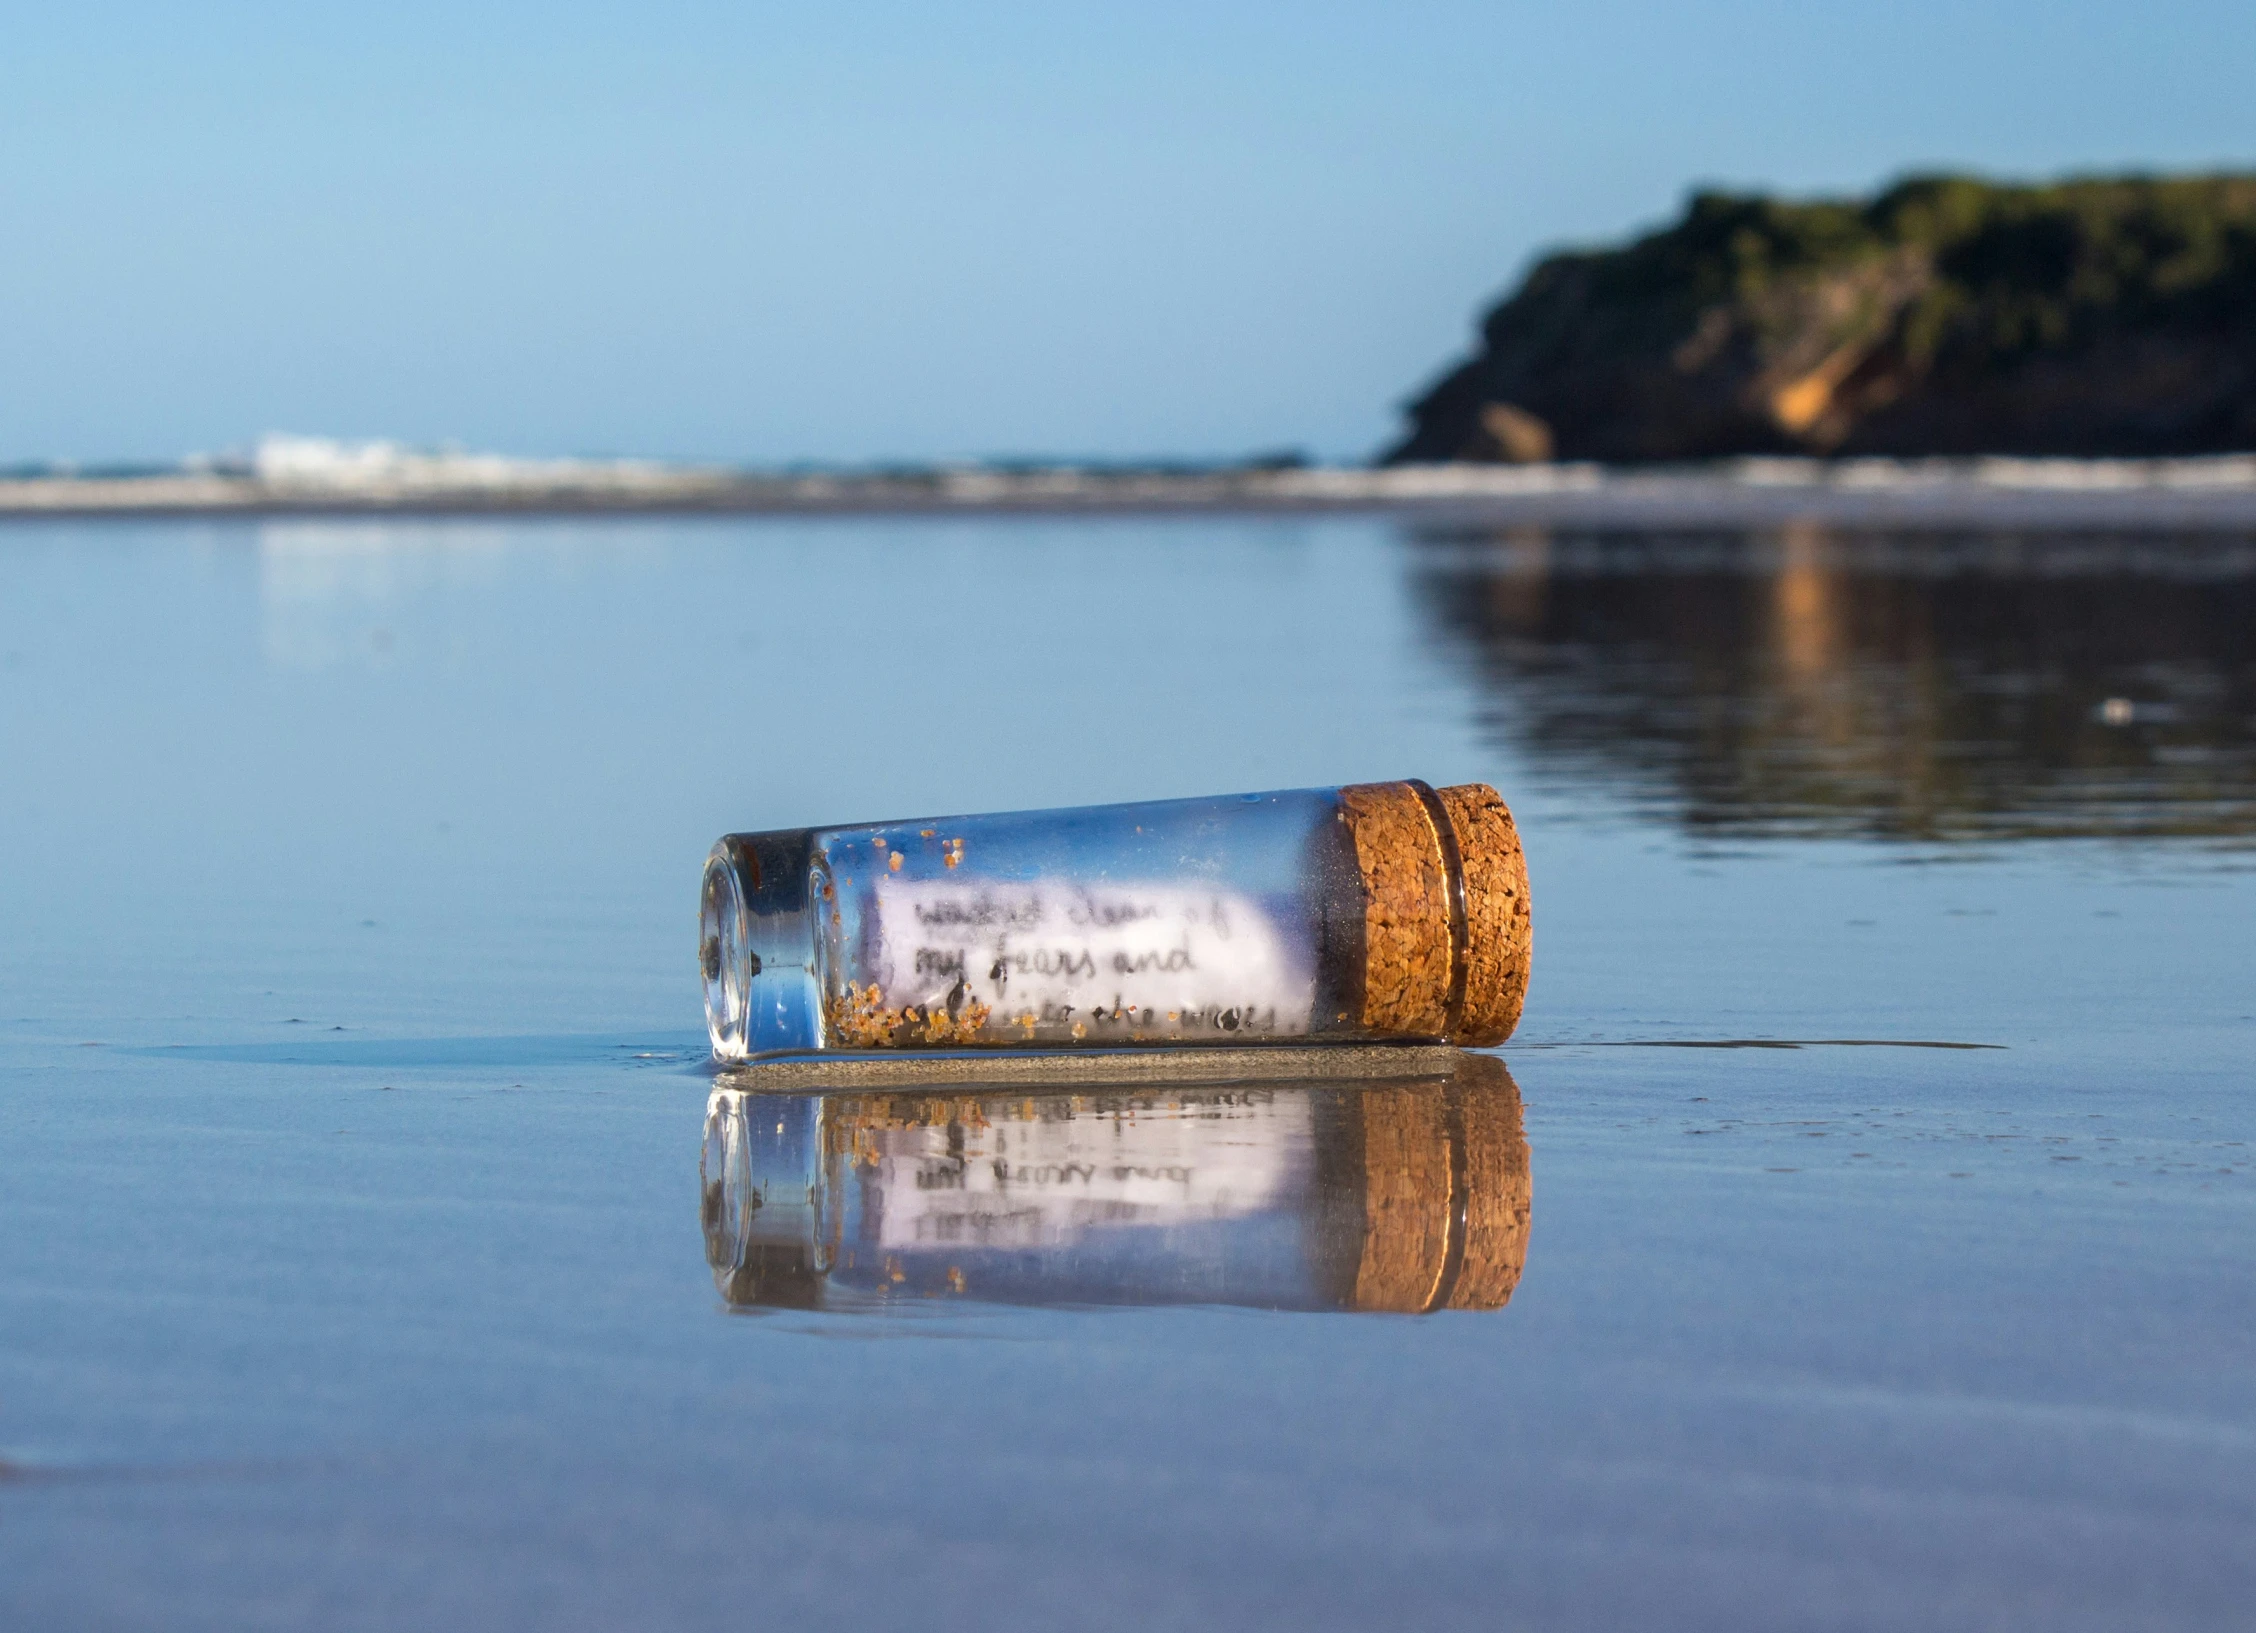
1239,920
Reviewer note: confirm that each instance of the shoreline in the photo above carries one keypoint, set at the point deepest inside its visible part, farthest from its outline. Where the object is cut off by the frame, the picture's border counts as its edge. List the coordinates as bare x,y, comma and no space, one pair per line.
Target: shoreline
2213,493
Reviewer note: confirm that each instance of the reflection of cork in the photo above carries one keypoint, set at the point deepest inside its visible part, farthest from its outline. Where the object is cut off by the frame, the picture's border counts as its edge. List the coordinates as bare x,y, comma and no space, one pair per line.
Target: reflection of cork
1499,1190
1446,1194
1408,1199
1446,930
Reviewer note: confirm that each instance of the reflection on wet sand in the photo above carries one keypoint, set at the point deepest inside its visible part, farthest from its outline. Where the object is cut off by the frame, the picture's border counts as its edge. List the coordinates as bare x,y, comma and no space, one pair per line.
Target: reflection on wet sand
1403,1194
1915,686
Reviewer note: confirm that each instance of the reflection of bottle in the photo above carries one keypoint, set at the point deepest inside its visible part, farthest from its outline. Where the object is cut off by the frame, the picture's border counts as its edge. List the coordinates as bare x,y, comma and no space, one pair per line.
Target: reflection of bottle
1382,911
1399,1193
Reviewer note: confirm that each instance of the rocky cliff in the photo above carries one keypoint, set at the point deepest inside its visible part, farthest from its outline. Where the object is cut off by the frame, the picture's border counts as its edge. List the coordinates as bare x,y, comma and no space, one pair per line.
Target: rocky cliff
1945,316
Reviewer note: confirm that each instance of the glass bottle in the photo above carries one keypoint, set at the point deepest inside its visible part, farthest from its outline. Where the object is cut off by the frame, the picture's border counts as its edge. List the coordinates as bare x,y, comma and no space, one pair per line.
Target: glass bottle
1402,1193
1376,912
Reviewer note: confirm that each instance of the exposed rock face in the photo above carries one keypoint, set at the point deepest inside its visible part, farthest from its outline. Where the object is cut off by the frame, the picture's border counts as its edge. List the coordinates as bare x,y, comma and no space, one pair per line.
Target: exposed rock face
1946,316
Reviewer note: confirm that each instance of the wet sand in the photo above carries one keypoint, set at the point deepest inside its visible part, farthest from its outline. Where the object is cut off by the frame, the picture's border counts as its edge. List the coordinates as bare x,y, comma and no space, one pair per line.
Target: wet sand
360,1262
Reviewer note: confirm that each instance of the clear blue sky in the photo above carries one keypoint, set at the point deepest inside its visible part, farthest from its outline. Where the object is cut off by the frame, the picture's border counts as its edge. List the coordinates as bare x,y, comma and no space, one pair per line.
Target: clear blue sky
852,232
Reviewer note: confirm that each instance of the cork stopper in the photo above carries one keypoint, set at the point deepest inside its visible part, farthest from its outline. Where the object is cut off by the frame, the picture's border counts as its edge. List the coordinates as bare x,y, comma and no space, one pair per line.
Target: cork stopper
1446,931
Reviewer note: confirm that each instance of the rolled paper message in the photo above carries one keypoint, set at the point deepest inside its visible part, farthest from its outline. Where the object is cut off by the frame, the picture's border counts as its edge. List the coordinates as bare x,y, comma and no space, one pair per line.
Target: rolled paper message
1372,913
1402,1193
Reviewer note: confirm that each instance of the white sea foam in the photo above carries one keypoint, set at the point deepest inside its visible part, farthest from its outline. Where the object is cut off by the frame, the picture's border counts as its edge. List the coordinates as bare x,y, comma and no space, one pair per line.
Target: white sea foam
326,465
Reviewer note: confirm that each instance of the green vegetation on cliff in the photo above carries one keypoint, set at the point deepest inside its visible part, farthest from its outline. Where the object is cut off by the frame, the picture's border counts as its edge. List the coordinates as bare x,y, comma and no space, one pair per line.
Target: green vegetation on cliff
1946,316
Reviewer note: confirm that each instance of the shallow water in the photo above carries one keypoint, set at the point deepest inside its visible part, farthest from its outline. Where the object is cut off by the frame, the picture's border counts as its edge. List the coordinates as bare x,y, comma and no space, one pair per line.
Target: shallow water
357,1270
